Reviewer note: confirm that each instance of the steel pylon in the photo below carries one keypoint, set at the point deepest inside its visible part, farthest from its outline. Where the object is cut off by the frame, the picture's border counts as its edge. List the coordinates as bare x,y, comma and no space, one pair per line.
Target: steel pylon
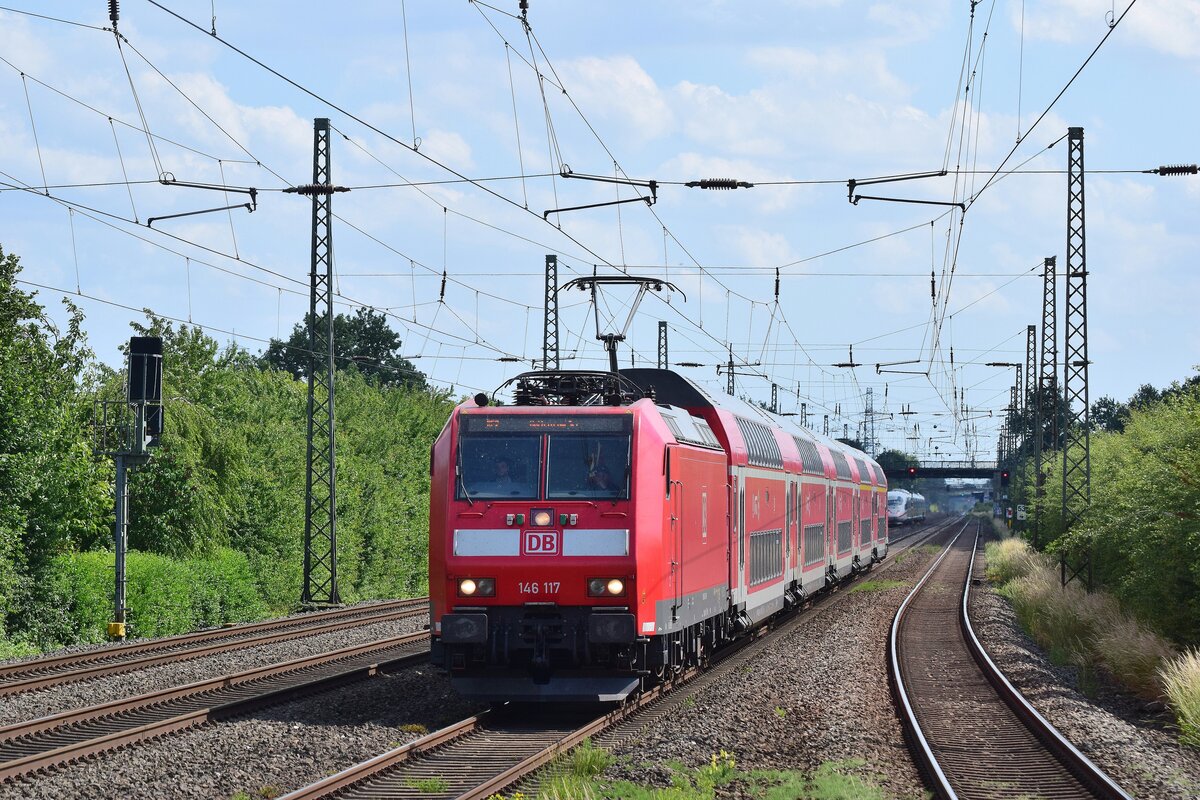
320,496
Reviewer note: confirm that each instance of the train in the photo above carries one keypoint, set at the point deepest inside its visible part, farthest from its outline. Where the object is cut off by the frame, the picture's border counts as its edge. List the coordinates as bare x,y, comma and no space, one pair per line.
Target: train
608,529
905,507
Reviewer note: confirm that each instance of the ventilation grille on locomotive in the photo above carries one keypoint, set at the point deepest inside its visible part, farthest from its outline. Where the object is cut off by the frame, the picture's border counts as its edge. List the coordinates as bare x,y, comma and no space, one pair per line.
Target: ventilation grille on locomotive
691,430
810,459
814,544
845,532
706,434
843,466
764,450
766,556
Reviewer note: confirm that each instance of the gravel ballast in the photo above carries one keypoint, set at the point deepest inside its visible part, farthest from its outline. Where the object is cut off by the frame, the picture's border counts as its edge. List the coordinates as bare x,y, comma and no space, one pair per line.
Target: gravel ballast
818,694
57,699
267,753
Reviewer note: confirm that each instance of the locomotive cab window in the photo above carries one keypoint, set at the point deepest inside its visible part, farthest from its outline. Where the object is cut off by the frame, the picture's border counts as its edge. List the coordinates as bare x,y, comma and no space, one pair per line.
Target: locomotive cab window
588,466
498,467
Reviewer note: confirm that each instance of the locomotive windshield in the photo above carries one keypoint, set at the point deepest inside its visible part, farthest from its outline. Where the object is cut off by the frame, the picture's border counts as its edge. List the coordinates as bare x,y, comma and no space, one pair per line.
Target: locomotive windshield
500,456
595,466
499,467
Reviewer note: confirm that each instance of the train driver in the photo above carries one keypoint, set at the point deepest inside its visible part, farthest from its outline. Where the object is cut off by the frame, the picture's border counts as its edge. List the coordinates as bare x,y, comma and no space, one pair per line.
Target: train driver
601,481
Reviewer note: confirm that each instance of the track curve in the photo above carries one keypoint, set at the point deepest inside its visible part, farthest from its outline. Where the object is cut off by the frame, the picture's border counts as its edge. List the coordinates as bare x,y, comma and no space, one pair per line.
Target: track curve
972,734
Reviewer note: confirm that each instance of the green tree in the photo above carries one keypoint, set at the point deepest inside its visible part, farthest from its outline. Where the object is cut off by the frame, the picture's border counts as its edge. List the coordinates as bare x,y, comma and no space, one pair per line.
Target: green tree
1108,415
362,342
53,493
896,462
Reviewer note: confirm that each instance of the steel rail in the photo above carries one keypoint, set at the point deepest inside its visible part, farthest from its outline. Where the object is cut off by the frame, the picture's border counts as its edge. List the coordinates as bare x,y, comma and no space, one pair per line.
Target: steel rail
967,717
30,746
377,777
926,760
40,673
1076,762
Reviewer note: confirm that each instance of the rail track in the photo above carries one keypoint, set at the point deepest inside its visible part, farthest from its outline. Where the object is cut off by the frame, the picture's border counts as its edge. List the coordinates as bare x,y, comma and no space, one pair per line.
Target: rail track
41,673
973,735
39,744
485,754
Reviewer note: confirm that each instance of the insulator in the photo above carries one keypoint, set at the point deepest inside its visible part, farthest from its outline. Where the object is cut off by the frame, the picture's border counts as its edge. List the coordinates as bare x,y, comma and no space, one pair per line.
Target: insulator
719,183
1177,169
114,11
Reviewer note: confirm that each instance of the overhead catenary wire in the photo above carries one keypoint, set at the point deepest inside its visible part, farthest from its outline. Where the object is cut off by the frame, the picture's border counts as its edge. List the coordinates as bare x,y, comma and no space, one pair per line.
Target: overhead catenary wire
233,333
748,299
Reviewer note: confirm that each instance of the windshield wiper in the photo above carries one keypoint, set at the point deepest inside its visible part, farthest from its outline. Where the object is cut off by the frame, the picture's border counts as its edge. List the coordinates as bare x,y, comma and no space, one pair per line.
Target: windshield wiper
463,484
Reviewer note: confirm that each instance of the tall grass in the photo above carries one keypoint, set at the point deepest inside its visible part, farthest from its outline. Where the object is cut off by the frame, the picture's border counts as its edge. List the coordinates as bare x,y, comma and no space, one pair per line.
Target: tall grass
1181,679
1011,558
1075,627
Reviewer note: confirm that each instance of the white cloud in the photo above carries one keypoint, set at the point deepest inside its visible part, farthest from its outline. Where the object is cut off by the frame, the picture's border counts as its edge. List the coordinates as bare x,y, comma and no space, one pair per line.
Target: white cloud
447,147
759,247
618,90
1166,26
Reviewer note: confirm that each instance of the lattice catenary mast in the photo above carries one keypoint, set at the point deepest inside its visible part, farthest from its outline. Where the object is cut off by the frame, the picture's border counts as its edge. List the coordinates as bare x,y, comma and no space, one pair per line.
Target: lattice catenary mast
320,494
1077,465
550,327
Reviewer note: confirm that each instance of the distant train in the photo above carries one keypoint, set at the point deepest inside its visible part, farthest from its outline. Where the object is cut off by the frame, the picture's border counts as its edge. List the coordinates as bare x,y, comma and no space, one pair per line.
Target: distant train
904,507
609,529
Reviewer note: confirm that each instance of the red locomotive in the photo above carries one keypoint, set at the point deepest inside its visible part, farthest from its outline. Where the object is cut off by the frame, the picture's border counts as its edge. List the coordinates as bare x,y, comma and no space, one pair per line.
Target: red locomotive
610,528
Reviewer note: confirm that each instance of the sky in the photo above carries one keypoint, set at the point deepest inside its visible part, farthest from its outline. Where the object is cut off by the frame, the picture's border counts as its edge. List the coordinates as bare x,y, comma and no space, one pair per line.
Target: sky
452,124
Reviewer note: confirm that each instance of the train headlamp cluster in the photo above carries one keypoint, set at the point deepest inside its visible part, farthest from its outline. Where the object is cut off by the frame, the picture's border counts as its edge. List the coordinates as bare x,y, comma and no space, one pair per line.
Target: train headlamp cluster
606,587
477,587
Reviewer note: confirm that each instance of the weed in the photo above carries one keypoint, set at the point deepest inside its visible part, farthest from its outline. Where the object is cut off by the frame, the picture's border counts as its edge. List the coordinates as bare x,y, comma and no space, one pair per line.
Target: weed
720,770
415,727
269,792
877,586
588,761
434,785
240,796
1181,681
781,712
689,701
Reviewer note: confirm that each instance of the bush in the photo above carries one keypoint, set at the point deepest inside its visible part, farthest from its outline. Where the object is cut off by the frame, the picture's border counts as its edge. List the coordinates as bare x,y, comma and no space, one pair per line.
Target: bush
1140,527
1181,677
163,595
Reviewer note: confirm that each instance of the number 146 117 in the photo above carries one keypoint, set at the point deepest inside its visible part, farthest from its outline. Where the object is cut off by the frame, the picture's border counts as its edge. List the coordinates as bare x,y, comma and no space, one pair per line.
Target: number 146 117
534,587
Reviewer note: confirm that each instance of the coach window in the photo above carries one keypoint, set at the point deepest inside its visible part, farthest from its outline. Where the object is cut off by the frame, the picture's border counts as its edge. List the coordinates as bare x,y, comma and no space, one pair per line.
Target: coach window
588,466
495,467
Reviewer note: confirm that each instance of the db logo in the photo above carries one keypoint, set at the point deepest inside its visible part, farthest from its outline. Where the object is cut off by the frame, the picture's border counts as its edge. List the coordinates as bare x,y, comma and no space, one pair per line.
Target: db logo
540,543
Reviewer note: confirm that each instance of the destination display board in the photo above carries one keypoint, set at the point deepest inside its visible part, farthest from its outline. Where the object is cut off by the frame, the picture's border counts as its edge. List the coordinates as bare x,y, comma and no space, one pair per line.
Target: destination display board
546,423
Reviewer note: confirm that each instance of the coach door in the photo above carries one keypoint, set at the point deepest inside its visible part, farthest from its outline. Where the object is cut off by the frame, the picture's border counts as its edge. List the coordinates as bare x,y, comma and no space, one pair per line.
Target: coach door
831,527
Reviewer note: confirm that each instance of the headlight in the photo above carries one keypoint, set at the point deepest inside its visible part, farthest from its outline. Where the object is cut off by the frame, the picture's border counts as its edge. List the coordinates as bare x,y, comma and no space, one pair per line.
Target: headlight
605,587
477,587
541,517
